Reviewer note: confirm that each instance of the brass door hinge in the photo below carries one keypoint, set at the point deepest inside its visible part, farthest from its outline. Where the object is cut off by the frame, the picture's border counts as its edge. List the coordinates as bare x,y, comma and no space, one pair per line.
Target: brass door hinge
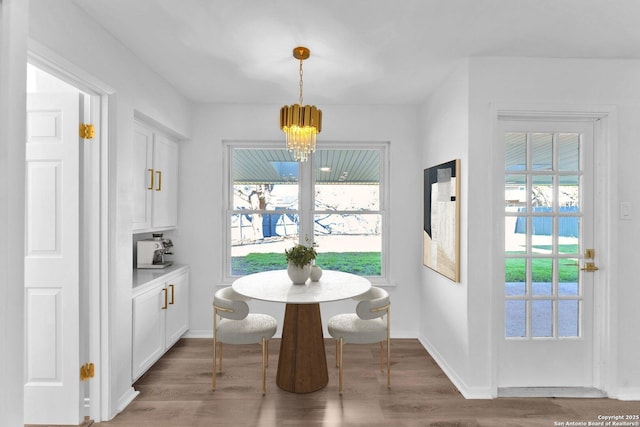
87,131
87,371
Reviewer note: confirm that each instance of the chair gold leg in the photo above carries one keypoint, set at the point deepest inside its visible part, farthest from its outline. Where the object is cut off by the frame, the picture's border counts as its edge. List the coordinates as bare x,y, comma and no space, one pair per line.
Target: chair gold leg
220,355
267,353
388,363
337,362
264,371
341,364
213,370
381,357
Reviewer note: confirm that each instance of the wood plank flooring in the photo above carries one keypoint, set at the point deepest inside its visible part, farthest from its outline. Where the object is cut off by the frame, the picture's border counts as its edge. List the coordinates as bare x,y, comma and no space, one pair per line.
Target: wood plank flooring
176,392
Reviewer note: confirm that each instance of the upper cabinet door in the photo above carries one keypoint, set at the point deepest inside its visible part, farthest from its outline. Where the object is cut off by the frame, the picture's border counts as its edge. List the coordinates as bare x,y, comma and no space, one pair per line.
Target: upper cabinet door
155,180
143,177
165,192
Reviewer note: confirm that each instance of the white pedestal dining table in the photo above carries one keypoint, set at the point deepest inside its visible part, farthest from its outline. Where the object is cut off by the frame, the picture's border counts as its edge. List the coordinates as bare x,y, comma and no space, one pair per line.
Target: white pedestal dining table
302,362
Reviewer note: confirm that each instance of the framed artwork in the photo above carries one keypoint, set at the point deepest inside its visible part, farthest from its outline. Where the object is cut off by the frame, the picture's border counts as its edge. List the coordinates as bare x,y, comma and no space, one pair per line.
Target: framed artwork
441,231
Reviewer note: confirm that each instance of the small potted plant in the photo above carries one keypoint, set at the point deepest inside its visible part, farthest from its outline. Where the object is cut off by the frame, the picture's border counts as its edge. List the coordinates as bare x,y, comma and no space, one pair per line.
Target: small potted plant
299,260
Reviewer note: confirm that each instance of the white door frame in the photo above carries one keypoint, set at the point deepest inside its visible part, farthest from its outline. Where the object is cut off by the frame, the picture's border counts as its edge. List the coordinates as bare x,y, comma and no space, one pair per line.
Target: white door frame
604,118
94,232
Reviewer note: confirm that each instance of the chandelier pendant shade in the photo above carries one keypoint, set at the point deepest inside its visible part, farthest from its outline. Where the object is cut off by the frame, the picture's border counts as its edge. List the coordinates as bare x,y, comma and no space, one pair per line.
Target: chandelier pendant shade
301,123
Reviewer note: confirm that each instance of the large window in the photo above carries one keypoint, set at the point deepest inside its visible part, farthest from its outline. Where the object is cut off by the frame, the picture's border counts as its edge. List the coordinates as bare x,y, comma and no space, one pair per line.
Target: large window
335,201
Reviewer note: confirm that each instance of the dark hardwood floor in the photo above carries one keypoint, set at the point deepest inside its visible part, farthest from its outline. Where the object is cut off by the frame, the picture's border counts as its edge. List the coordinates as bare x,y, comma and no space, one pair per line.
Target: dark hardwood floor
176,391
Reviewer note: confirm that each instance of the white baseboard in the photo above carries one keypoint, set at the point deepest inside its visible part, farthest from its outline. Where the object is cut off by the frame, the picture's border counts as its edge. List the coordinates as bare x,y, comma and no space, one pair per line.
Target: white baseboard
629,393
466,391
127,398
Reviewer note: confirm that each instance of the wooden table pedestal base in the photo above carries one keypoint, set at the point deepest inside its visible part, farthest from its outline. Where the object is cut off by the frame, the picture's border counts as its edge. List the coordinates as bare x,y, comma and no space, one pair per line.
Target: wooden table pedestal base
302,363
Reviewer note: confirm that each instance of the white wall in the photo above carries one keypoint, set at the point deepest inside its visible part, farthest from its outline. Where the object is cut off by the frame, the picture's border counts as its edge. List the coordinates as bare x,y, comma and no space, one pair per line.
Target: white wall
447,327
60,31
199,239
13,40
460,111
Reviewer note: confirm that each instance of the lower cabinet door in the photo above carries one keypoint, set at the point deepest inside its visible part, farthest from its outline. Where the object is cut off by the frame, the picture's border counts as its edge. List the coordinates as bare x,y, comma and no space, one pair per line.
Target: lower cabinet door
177,315
148,329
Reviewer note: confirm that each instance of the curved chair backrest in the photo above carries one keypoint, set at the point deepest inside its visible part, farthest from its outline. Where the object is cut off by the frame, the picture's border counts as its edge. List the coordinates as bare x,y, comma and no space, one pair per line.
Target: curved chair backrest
230,305
373,303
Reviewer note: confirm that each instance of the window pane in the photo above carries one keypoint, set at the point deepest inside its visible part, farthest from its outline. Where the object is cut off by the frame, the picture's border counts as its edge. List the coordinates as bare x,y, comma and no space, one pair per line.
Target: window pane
568,316
515,323
252,255
350,243
515,155
338,197
569,193
541,151
347,179
569,151
541,318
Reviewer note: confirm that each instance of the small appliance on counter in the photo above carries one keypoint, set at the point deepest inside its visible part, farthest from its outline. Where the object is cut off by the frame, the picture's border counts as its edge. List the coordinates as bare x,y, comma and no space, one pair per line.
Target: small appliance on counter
151,252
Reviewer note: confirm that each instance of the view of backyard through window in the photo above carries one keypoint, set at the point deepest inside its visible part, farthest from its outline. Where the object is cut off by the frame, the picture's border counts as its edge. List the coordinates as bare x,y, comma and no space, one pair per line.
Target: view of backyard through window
267,212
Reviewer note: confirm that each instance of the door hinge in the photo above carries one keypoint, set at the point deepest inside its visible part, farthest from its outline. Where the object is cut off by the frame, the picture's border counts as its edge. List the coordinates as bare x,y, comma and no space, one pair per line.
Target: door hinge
87,131
87,371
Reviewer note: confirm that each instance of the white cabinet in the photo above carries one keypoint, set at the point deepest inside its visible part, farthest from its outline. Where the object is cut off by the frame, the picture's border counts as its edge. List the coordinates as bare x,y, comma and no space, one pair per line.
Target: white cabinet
160,317
155,179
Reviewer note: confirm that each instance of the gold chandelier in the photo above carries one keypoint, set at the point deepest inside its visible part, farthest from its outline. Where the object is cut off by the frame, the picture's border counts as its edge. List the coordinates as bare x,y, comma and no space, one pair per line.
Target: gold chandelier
301,123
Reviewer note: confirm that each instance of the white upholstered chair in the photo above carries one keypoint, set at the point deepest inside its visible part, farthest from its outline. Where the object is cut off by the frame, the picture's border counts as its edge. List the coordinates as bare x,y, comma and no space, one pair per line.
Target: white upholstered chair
233,324
368,325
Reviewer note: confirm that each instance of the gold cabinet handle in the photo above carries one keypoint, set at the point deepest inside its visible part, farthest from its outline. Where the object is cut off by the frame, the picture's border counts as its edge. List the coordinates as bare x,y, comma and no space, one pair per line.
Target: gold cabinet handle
172,293
151,184
166,295
589,267
159,188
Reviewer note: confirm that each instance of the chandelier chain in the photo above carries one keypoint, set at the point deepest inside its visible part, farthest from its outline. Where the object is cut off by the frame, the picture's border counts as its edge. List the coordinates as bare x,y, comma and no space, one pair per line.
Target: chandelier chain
301,81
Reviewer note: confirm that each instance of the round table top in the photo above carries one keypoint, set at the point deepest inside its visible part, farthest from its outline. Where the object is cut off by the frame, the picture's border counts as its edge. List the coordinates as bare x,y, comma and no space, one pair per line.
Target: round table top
275,286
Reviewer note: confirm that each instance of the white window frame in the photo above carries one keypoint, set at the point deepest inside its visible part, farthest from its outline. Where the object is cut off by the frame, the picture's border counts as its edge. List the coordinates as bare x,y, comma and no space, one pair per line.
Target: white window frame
306,210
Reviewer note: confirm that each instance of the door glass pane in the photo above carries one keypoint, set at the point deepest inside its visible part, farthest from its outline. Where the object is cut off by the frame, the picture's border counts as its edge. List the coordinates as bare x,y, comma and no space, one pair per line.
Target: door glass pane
515,193
515,276
515,151
569,151
541,318
541,151
568,276
542,276
515,318
542,193
568,318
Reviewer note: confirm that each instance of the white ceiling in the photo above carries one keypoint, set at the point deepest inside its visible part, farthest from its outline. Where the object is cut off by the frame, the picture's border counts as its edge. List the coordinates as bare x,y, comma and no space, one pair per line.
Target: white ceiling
362,51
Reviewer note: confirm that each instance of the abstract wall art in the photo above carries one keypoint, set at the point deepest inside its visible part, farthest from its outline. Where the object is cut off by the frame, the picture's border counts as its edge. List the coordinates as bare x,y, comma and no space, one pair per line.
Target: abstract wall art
441,231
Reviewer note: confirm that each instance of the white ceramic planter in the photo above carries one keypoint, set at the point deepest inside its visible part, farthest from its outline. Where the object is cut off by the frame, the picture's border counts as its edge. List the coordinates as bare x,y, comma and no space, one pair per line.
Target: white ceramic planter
298,275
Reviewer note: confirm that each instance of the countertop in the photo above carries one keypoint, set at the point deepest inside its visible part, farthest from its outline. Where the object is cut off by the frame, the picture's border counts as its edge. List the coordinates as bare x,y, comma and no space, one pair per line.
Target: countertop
142,276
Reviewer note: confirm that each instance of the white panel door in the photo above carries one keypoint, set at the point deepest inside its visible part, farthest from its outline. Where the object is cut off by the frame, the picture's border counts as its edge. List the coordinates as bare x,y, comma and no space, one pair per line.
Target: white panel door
547,340
52,383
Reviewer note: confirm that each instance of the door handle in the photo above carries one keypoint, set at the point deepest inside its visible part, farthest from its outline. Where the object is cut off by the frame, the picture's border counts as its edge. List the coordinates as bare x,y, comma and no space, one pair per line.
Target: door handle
589,267
151,184
166,295
159,188
172,293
